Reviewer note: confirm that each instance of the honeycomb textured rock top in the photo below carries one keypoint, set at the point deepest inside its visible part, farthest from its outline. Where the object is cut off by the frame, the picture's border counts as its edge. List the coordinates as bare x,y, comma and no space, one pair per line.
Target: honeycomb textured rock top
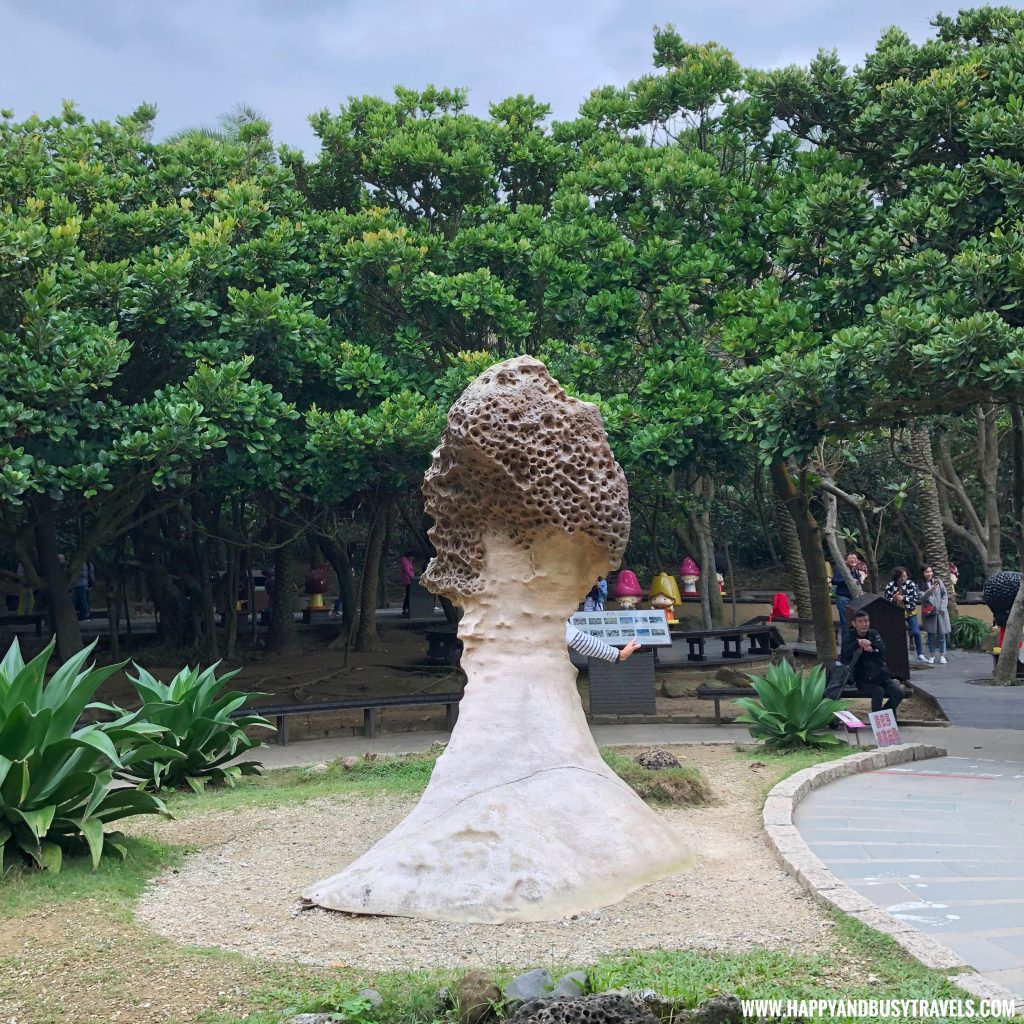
599,1009
655,760
999,593
519,457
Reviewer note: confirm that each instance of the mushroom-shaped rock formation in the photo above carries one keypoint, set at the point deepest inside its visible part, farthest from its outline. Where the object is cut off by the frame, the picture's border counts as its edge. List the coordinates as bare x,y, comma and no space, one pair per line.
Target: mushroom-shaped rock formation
522,820
999,592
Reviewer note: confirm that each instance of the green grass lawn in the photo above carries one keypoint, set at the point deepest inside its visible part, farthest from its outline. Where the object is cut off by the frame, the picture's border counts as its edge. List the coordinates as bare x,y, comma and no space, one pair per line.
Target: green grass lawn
409,998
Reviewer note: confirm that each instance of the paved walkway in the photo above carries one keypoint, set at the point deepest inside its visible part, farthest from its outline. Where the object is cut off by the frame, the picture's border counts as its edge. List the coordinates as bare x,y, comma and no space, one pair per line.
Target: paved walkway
991,743
938,844
983,707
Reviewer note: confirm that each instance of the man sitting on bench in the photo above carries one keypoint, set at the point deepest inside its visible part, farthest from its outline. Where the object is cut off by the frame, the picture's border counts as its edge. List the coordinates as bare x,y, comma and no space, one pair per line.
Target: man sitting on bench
869,674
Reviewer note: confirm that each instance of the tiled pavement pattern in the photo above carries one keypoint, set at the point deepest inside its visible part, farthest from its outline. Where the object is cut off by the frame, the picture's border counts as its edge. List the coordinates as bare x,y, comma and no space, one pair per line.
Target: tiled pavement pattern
938,844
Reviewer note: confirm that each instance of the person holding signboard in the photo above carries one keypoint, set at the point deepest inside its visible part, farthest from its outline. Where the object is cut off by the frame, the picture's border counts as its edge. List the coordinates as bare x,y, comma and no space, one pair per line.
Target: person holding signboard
594,647
869,673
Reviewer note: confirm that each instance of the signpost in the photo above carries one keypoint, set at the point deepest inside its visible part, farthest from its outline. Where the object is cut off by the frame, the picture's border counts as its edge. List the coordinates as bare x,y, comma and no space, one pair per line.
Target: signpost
883,725
648,626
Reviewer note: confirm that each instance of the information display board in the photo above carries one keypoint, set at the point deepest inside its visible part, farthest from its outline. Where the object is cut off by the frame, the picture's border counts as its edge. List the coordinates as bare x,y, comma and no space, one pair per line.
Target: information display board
648,626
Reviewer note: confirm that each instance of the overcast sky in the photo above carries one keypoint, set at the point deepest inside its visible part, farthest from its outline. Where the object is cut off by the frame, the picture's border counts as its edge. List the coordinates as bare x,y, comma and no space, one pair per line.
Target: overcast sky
197,59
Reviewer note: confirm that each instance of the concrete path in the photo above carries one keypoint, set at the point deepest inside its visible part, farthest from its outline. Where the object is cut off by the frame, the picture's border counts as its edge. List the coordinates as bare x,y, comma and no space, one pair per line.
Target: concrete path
983,707
990,743
938,844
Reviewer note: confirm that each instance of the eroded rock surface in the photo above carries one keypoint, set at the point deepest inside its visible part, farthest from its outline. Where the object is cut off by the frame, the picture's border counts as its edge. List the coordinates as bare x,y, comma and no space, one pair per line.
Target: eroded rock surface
522,820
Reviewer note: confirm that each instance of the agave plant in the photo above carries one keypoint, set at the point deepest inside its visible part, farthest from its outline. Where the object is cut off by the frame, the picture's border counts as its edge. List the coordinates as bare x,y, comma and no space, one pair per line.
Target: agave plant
55,779
199,736
792,710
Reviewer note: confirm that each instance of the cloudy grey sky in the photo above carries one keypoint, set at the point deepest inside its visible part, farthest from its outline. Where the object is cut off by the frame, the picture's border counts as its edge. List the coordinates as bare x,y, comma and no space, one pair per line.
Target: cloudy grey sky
196,59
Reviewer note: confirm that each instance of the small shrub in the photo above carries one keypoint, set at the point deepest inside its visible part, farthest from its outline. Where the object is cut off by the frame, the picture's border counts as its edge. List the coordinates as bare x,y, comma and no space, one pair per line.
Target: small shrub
792,710
55,780
683,785
969,632
199,736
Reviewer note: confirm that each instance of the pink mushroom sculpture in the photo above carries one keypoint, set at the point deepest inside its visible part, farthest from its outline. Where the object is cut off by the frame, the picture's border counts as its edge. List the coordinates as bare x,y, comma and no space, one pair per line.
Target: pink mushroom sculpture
689,572
627,589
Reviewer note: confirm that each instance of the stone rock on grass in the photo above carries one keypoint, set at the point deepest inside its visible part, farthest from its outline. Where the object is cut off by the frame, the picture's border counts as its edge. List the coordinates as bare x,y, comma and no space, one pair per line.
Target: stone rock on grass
608,1008
655,760
372,996
570,985
475,997
732,677
311,1018
531,985
677,688
716,1010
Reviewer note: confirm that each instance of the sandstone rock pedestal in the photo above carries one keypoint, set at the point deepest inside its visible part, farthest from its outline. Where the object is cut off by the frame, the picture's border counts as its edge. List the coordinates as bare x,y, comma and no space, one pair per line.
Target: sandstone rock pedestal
522,820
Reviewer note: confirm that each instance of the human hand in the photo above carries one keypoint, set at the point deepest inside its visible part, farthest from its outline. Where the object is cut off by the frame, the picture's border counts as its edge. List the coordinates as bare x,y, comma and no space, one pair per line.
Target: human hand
625,652
865,645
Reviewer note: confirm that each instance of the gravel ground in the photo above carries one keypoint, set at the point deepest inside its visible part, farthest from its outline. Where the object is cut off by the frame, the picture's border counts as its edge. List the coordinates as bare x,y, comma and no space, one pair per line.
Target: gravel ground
240,891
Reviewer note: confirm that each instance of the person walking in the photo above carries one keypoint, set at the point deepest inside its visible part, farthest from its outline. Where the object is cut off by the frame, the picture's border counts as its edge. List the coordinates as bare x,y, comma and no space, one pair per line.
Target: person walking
408,573
80,593
935,614
901,591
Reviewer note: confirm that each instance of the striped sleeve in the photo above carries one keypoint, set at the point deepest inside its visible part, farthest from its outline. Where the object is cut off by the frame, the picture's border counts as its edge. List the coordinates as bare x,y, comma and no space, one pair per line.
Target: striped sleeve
589,646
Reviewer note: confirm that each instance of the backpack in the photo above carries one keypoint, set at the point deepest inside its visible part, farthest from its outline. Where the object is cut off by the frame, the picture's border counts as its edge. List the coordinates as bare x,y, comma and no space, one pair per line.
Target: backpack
839,676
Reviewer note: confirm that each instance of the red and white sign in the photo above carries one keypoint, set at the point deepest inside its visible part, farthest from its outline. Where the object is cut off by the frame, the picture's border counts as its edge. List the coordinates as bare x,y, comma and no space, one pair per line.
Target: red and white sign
883,725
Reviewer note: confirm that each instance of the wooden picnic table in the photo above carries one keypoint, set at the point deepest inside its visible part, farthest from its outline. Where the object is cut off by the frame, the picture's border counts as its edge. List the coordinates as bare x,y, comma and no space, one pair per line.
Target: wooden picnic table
732,637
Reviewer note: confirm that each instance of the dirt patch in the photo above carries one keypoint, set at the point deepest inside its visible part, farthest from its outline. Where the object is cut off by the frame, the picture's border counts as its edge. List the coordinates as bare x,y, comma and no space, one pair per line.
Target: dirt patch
241,893
73,963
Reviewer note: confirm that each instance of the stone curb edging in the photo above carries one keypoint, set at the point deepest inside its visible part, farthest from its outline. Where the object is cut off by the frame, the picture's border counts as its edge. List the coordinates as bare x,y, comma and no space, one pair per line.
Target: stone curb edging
796,858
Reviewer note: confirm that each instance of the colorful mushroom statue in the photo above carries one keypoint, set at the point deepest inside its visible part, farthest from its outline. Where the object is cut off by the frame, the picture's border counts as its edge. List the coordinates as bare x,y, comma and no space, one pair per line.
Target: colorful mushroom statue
665,594
690,573
316,587
627,589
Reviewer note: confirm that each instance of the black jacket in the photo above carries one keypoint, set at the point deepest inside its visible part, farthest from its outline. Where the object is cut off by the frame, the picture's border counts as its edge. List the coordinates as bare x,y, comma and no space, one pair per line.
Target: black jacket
871,664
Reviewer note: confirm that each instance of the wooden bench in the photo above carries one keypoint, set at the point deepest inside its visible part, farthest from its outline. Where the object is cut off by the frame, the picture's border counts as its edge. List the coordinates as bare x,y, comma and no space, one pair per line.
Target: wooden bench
370,706
720,693
32,618
760,640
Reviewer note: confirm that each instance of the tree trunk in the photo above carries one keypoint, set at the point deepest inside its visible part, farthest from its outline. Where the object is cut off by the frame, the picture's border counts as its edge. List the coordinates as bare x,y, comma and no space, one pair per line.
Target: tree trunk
982,532
759,504
1006,667
281,632
932,533
382,572
232,581
832,540
910,535
795,568
206,641
797,501
700,555
337,554
366,632
63,619
1017,502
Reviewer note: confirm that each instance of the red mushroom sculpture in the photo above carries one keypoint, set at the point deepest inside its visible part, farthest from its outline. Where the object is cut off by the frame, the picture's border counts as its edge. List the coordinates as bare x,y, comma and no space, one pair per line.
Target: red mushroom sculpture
627,589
